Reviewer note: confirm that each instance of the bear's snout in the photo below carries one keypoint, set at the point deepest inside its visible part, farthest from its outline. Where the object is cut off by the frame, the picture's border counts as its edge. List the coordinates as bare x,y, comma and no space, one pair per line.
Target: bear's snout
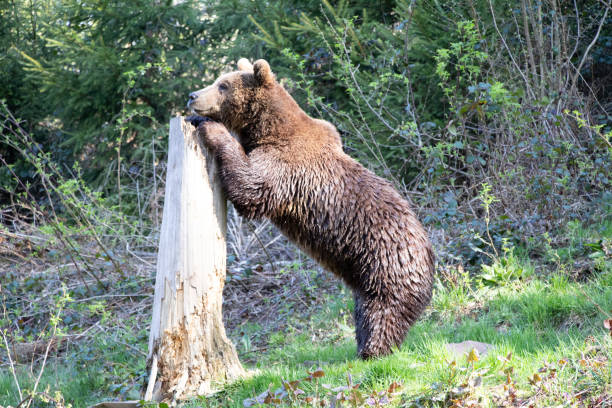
192,97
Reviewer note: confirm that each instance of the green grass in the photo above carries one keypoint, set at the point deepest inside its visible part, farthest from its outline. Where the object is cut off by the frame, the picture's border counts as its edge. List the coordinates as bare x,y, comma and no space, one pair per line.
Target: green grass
544,320
84,374
541,315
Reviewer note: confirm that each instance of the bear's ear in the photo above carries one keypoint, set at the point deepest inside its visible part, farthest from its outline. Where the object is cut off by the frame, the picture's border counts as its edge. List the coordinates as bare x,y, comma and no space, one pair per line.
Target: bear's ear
262,72
244,65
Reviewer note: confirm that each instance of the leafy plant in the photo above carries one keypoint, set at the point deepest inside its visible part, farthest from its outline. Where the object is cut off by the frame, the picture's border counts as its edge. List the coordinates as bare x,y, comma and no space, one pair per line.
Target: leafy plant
290,394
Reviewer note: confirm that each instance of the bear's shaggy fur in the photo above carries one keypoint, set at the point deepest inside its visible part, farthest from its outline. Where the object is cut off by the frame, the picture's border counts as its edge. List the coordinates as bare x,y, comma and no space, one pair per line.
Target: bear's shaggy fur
291,168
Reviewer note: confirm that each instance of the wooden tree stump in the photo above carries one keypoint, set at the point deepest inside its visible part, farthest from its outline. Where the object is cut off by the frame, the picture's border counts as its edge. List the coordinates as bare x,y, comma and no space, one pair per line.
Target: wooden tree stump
188,348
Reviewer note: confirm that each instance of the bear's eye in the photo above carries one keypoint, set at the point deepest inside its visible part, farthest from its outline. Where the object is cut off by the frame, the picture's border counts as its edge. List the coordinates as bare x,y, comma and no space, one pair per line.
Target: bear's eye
223,87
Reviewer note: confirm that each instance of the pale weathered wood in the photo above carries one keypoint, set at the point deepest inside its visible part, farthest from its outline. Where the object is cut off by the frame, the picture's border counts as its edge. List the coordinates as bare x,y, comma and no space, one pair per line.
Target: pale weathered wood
188,347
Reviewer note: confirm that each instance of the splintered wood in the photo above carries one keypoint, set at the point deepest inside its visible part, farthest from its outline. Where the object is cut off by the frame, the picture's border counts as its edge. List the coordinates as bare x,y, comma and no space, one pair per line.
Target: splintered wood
188,348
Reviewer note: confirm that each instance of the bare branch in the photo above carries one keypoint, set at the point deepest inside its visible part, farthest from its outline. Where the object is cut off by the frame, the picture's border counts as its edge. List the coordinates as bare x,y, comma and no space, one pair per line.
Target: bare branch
588,50
527,86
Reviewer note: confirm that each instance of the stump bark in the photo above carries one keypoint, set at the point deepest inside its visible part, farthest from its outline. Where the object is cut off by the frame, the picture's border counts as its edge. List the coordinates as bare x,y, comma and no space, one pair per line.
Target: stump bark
188,348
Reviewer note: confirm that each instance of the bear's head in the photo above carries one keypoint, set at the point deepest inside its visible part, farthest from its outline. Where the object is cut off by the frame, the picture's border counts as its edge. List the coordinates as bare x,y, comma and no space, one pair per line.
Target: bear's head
236,99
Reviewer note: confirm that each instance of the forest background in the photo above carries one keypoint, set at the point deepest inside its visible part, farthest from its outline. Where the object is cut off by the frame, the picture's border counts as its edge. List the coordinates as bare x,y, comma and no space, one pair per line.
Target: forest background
492,117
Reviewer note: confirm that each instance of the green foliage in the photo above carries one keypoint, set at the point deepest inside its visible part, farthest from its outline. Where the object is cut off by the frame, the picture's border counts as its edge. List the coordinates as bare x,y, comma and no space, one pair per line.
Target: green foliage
428,95
291,394
453,291
503,145
97,81
462,62
506,269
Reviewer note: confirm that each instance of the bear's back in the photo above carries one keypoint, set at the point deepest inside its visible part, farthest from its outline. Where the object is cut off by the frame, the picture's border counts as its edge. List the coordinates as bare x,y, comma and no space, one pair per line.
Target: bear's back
351,221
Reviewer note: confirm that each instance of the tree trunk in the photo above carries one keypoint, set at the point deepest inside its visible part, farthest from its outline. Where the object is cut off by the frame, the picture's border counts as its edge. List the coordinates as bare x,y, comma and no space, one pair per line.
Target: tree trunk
188,348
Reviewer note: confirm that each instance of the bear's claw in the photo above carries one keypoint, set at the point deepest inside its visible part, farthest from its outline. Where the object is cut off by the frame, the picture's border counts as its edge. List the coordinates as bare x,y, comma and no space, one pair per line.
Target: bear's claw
196,120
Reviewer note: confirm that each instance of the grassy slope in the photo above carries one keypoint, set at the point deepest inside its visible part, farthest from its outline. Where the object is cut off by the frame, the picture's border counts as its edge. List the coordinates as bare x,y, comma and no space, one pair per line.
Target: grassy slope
541,317
548,321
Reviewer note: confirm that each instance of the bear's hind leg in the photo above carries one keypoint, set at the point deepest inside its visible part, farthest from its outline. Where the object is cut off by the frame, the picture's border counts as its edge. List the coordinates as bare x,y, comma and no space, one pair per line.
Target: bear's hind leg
360,330
379,325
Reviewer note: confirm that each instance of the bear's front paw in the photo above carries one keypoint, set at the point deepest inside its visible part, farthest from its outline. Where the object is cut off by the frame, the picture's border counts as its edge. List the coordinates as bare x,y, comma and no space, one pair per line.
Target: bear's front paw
213,133
196,120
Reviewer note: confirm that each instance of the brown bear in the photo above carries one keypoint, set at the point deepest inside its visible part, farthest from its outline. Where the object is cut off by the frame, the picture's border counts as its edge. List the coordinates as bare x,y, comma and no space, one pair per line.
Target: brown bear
291,168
